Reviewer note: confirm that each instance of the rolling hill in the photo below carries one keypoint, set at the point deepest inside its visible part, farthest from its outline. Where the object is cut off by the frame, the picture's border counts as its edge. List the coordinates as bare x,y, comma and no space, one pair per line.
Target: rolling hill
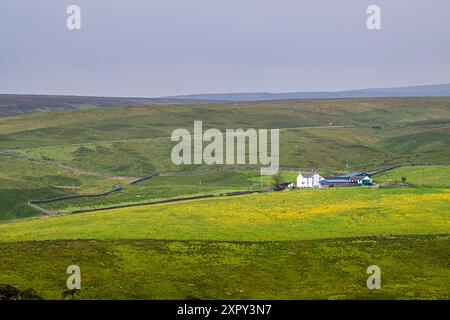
305,244
14,104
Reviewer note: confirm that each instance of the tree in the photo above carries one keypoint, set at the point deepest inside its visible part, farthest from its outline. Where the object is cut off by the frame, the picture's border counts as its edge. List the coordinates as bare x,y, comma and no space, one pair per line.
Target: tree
277,181
404,179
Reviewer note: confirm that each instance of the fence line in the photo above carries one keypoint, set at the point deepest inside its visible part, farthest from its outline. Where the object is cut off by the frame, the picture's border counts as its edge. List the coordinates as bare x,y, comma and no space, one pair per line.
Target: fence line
206,196
408,165
94,195
34,203
151,176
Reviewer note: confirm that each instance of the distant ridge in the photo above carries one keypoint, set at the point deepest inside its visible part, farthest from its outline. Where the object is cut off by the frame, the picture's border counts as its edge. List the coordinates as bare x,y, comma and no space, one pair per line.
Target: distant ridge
439,90
14,104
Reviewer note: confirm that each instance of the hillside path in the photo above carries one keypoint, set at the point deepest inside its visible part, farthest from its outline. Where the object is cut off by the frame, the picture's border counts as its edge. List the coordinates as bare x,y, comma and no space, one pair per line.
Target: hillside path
62,165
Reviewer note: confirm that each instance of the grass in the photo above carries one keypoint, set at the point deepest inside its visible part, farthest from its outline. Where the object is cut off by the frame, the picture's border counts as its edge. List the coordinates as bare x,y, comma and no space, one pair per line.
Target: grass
305,244
295,215
431,176
413,267
136,141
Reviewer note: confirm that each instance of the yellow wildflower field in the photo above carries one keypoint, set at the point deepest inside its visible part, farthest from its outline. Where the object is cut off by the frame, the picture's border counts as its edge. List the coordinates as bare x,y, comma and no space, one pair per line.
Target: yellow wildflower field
294,215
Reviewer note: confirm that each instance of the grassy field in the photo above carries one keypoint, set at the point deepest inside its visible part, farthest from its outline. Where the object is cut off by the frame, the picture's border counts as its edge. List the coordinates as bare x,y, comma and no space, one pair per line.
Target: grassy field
431,176
311,244
413,267
294,215
171,186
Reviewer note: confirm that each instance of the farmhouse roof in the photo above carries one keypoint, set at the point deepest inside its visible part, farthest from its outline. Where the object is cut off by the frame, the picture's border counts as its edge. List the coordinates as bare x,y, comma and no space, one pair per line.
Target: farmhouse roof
308,175
358,177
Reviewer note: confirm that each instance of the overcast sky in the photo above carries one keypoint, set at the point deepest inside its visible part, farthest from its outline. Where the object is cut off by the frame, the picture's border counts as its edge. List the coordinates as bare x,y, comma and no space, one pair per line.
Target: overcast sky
152,48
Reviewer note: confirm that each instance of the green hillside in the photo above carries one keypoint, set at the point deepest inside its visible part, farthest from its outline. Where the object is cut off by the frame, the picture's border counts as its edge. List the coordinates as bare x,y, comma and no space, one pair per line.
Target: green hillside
22,180
326,134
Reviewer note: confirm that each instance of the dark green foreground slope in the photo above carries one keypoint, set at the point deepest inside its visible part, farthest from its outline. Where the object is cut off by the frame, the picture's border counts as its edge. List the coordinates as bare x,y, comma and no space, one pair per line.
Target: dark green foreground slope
413,267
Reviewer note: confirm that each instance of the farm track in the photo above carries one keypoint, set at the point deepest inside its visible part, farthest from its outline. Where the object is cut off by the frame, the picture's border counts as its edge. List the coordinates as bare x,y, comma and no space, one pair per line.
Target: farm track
144,140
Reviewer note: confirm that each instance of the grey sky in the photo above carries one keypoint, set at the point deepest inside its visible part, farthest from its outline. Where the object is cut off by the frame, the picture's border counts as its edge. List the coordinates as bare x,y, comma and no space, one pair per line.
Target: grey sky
154,48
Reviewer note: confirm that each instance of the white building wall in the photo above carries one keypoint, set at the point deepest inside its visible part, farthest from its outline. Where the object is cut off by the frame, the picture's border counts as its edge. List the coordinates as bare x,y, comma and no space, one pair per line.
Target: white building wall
313,182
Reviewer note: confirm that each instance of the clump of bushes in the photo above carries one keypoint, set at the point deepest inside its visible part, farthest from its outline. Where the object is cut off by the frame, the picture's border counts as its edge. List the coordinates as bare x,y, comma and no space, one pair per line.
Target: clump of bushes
9,292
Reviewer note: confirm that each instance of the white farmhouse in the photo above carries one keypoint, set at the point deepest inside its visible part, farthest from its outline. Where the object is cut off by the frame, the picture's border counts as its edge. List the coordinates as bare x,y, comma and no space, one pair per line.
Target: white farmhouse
309,180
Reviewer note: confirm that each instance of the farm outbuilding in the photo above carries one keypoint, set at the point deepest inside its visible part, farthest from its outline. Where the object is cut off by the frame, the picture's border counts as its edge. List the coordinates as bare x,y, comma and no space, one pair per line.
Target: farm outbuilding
362,180
336,182
348,180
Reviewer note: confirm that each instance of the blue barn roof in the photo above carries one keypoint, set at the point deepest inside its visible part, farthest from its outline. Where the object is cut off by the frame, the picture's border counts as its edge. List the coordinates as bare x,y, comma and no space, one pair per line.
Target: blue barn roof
330,181
354,174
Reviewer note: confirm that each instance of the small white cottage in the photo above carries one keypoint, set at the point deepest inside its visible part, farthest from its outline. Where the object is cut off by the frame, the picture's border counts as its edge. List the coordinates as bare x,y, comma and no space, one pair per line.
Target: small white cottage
309,180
